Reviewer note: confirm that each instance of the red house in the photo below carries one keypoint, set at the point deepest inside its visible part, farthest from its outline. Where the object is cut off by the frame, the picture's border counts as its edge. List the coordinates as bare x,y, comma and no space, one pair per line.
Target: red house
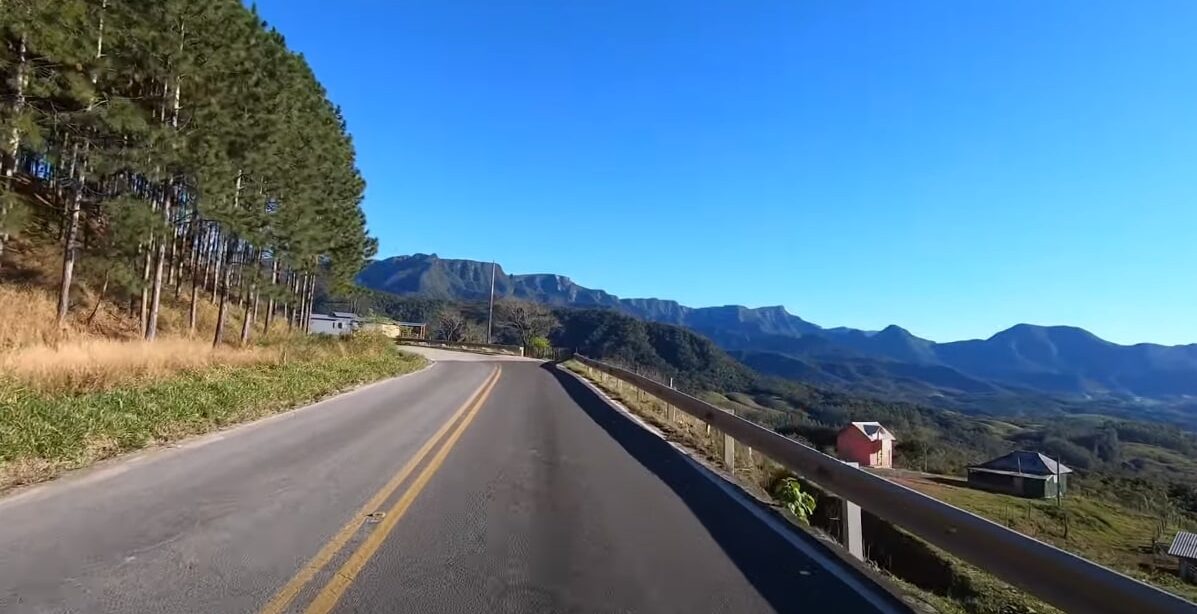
867,443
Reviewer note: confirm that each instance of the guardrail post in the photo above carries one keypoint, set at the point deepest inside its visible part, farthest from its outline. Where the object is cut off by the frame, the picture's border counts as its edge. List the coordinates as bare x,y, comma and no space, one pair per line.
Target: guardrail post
729,453
669,406
851,535
1038,568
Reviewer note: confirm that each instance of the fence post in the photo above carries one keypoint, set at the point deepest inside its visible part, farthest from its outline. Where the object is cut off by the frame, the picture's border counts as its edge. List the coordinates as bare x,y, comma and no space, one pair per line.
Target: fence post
729,451
851,535
669,406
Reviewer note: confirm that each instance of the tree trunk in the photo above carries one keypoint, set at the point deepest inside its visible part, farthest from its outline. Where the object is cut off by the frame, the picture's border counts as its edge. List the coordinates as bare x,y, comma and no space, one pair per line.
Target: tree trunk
197,239
307,317
69,249
151,329
71,237
66,204
177,245
18,105
250,297
305,306
99,300
14,142
248,322
222,311
193,311
217,270
144,306
270,299
256,299
300,306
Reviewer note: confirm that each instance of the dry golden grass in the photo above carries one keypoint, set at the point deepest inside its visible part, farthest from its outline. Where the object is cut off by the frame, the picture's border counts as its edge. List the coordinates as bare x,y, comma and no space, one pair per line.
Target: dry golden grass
100,364
27,319
104,351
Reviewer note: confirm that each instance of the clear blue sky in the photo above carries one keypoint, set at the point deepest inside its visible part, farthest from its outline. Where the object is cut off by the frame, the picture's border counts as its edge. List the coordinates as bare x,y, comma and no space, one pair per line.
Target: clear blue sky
954,167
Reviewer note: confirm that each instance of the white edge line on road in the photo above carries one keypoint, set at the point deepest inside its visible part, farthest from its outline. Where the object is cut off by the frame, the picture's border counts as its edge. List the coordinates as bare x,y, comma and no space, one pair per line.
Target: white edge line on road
112,467
829,563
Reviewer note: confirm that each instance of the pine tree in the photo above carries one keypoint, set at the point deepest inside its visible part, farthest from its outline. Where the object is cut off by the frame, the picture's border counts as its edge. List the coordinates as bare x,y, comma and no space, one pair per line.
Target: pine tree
182,142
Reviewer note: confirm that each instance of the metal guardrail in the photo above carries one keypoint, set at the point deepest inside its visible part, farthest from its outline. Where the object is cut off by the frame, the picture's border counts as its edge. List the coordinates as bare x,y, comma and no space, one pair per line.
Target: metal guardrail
516,350
1060,578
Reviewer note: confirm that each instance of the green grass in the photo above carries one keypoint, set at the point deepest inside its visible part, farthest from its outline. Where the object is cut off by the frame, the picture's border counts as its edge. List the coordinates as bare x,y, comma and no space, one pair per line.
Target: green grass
1001,428
971,590
1170,460
1099,530
42,434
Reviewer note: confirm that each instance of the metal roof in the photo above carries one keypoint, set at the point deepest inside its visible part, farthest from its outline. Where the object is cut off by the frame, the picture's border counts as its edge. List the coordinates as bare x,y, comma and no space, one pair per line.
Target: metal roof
1024,462
873,430
344,314
1014,473
1184,545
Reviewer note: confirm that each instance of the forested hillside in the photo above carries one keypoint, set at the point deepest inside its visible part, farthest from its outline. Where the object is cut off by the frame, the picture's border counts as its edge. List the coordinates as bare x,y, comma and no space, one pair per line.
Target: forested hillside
168,147
173,184
1025,369
1130,461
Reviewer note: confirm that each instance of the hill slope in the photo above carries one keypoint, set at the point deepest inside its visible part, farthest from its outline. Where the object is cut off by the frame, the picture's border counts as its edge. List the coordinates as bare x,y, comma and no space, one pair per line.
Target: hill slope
1057,360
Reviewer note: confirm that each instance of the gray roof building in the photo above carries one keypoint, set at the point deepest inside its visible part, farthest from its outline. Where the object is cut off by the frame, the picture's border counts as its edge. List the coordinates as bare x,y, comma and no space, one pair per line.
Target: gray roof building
1025,463
334,324
1184,547
1021,473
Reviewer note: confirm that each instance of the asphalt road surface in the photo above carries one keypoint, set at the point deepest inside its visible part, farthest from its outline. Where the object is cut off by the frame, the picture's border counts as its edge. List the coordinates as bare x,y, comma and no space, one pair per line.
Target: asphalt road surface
476,485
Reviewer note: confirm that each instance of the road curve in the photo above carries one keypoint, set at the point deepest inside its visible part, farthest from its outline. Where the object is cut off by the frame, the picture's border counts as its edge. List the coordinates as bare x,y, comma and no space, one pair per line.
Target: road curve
476,485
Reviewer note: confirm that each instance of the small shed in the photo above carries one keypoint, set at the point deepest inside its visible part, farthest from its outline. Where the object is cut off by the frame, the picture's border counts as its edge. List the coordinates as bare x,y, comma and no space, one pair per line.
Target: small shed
413,330
338,323
1021,473
1184,548
866,443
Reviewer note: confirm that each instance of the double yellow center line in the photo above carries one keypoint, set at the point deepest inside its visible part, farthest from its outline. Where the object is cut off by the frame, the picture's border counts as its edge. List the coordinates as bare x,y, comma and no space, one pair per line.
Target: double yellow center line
328,596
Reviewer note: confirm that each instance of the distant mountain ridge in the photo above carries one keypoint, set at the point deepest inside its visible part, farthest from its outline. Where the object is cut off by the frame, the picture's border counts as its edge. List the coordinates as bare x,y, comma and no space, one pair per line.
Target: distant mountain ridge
1058,360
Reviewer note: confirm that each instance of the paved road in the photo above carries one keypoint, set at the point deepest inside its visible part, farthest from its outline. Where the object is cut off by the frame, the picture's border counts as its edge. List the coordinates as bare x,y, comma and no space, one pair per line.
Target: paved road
476,485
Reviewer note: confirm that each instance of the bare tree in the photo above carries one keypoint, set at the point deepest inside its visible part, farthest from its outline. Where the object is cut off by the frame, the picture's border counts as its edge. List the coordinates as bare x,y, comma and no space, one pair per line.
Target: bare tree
450,325
526,321
475,332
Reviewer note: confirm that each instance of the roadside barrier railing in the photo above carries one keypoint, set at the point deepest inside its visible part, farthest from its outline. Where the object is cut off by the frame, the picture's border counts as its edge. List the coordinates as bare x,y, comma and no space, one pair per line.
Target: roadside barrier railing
494,348
1060,578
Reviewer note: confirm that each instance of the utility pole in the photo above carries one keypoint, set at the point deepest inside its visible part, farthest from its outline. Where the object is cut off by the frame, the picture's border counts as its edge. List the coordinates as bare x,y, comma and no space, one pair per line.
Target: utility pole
490,320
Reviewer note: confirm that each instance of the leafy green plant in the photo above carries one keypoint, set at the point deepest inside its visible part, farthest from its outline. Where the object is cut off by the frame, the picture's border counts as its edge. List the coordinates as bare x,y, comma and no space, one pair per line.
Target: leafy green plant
801,504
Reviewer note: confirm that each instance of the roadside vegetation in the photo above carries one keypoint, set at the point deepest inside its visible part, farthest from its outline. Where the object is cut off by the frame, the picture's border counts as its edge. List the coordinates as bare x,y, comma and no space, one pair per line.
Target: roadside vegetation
1135,483
923,573
1133,540
93,387
174,187
87,412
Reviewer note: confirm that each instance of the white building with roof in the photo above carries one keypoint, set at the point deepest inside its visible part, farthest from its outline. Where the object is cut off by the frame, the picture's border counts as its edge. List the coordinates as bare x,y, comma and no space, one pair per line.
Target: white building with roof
338,323
866,443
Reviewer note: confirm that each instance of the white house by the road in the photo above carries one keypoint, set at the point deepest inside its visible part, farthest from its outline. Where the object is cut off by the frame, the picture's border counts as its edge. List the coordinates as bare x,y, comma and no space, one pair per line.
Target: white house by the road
338,323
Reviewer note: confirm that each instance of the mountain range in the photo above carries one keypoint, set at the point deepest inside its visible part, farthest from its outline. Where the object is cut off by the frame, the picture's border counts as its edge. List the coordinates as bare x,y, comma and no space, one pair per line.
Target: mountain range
1063,361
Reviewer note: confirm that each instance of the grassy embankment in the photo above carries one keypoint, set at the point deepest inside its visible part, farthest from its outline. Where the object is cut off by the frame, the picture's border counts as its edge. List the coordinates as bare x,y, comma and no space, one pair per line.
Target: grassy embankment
76,394
1099,530
928,577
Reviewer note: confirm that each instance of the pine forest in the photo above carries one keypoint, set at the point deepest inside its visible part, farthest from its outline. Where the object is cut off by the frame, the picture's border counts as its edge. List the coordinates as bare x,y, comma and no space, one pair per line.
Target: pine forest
175,146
